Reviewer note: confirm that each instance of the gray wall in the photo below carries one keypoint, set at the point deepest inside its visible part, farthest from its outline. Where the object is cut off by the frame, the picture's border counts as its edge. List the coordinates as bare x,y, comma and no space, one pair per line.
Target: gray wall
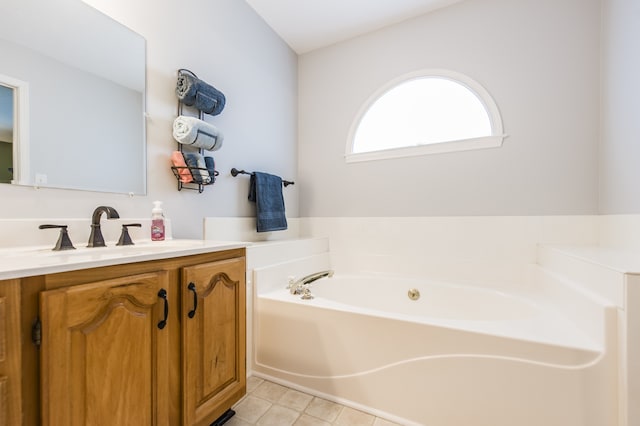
229,46
620,146
541,62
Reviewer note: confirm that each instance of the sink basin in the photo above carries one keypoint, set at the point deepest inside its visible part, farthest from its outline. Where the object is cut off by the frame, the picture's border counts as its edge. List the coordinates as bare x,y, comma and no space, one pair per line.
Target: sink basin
139,248
165,244
111,249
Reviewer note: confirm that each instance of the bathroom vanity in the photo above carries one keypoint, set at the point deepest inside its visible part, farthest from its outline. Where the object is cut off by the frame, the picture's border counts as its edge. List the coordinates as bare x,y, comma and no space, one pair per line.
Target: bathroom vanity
153,338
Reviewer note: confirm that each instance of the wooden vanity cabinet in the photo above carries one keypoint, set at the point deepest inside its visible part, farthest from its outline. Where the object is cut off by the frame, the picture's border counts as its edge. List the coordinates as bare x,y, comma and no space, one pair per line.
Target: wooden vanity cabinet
104,354
107,356
10,353
213,336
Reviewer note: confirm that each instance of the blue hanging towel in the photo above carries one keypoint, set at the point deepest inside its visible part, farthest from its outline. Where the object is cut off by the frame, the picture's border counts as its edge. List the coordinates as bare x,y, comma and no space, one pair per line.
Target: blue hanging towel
266,191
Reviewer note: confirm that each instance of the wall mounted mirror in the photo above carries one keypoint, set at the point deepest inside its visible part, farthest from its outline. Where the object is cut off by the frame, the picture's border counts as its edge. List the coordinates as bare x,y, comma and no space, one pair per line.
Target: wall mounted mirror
72,92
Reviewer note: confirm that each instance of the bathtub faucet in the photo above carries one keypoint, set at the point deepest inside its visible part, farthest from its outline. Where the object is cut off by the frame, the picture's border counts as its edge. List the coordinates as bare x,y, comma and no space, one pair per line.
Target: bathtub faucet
301,286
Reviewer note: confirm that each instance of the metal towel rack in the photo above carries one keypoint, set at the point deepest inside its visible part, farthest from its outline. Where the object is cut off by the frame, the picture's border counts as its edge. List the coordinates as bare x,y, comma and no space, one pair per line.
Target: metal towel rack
235,172
199,186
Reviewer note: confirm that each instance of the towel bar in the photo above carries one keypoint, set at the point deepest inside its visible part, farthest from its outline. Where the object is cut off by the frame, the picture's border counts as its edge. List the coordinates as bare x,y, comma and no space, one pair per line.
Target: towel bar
235,172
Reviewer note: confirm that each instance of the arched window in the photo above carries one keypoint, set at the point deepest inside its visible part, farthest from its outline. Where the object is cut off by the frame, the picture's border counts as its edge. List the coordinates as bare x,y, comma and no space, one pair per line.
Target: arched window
423,113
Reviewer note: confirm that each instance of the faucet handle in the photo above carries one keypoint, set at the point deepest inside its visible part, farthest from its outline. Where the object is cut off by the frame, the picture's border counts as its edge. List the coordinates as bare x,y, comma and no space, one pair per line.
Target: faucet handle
291,281
125,238
64,242
306,292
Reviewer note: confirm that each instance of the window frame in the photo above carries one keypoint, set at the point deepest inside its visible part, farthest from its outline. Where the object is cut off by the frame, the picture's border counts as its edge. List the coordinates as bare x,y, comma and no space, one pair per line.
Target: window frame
493,141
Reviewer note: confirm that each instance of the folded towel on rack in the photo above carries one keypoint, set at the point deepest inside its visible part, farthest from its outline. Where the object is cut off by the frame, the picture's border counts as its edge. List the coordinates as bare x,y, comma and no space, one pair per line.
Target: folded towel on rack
266,191
197,166
177,159
197,133
194,92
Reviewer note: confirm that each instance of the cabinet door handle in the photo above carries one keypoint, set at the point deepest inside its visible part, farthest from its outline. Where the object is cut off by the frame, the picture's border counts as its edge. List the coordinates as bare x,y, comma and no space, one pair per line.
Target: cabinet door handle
163,295
192,287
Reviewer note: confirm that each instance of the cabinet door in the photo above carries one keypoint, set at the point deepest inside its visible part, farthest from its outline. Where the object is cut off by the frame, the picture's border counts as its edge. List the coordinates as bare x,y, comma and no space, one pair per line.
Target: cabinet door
10,354
213,339
104,353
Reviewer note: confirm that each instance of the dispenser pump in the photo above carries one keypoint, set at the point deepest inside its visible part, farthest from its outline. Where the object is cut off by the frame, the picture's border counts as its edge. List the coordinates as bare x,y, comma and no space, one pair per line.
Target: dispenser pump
157,222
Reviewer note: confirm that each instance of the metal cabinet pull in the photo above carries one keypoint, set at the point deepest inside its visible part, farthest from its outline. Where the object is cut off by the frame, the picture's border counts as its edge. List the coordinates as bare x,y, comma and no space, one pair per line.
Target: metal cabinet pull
163,295
192,287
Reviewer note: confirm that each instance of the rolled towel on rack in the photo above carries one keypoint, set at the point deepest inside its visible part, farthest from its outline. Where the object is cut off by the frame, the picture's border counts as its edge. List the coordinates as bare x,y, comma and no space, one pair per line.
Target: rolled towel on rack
198,167
177,159
194,92
197,133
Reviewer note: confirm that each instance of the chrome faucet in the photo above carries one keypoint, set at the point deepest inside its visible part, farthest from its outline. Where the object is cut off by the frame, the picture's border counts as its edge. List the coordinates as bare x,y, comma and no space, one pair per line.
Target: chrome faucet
96,239
301,286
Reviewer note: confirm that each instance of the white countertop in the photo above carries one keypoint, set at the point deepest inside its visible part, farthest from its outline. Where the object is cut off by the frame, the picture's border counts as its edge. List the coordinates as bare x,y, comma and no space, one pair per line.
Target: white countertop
31,261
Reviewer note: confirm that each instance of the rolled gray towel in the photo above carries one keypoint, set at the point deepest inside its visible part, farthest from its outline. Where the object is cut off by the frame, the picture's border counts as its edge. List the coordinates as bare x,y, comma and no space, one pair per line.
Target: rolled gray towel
197,133
197,166
194,92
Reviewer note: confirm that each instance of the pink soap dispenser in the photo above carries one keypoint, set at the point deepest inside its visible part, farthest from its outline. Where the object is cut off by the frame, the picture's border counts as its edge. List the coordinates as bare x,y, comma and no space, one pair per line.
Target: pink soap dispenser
157,222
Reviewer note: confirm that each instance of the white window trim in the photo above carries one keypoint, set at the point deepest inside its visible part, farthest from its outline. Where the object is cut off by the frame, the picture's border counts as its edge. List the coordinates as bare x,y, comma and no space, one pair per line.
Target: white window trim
493,141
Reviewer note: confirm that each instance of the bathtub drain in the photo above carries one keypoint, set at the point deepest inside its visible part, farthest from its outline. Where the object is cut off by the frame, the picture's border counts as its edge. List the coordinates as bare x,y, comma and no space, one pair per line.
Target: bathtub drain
413,294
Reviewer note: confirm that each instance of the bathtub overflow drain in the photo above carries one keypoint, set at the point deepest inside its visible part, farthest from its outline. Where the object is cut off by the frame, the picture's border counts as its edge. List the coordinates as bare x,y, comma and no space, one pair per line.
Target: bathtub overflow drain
414,294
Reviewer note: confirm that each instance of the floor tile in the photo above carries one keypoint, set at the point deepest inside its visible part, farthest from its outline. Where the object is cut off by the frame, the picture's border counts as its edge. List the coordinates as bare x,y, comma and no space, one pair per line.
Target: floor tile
270,404
237,421
269,391
307,420
278,415
251,408
351,417
252,383
295,400
323,409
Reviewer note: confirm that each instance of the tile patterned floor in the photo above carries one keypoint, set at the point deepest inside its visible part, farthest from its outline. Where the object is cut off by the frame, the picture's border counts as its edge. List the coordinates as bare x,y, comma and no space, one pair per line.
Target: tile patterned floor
270,404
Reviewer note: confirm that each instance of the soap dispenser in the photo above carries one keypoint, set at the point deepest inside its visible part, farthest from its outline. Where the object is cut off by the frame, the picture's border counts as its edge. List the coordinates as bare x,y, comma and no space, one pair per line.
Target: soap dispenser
157,222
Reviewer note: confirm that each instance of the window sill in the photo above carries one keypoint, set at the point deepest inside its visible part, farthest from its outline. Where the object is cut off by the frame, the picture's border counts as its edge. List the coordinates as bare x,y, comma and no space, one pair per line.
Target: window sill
428,149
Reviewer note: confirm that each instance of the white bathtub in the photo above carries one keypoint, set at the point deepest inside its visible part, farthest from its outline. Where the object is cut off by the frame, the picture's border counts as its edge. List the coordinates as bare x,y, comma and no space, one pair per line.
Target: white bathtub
457,356
437,300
